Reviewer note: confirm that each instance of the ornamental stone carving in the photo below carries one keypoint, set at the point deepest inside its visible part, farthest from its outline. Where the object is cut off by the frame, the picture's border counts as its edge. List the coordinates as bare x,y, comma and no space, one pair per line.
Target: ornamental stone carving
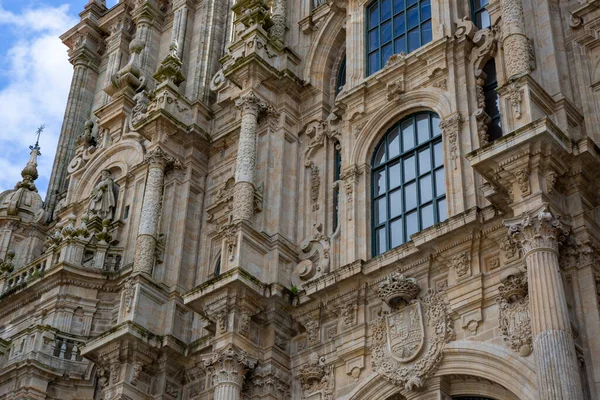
516,44
513,314
461,265
103,198
350,179
397,290
407,348
543,230
229,366
315,376
450,128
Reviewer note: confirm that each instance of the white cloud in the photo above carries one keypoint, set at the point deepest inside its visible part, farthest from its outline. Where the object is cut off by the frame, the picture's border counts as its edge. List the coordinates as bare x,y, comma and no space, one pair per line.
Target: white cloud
35,77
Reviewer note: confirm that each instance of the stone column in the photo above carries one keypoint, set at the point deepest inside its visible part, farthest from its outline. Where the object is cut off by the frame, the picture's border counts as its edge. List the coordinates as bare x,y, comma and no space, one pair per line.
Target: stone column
277,31
243,191
228,368
180,17
145,245
516,44
538,234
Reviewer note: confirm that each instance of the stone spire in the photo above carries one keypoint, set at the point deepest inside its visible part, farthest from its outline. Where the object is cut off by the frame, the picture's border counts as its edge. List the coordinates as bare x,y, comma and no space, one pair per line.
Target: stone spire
30,172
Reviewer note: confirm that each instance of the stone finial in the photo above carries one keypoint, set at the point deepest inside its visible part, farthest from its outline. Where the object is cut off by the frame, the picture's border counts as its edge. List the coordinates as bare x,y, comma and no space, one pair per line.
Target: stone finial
397,289
170,68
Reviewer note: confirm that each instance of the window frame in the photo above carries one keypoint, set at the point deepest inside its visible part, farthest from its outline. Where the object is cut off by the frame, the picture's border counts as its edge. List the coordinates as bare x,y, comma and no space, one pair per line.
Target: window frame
492,87
478,11
435,138
395,38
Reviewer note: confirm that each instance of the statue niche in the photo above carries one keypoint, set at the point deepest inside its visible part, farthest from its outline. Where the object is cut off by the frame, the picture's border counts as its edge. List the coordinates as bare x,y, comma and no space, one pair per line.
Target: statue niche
103,198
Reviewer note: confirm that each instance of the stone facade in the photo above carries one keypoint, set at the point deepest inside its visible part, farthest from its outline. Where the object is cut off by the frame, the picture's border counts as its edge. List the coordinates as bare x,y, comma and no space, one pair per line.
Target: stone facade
201,238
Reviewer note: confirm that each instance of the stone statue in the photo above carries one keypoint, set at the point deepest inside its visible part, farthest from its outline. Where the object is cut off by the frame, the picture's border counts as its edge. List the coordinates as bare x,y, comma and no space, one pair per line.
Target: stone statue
103,198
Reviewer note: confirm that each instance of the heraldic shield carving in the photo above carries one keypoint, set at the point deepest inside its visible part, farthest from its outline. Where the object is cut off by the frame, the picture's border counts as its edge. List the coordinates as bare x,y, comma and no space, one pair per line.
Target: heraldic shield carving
408,340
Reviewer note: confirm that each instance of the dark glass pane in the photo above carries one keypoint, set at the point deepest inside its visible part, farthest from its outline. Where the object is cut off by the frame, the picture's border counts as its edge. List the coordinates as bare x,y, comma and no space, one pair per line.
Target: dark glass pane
408,135
380,155
427,216
411,2
426,33
393,143
373,16
380,211
413,40
386,9
399,25
477,4
410,172
394,173
495,129
425,10
379,182
424,161
482,20
387,52
438,155
423,128
373,39
398,6
426,188
395,203
400,45
386,32
442,210
410,196
440,182
396,233
380,243
374,62
492,106
412,224
490,71
435,124
413,17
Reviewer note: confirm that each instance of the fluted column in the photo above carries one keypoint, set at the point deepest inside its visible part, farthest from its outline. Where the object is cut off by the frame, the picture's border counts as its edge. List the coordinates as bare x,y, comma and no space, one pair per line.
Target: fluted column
145,245
516,44
243,191
538,235
228,368
180,17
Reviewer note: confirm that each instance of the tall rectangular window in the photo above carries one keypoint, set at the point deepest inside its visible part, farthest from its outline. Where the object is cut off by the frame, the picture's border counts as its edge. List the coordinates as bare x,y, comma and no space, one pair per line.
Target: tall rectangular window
479,14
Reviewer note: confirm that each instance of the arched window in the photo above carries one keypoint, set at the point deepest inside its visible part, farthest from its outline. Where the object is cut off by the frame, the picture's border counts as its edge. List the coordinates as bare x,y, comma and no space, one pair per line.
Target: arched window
479,14
409,191
396,26
341,77
218,266
492,100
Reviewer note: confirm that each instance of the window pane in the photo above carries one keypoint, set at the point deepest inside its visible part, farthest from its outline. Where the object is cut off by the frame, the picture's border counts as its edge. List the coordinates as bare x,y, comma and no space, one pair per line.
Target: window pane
380,244
380,156
426,33
423,128
408,135
482,19
410,196
409,169
412,224
435,125
399,25
373,16
396,233
413,40
438,154
480,3
411,2
387,52
374,62
393,143
413,17
396,203
427,216
425,10
442,210
386,9
373,39
440,182
379,182
380,211
400,45
386,32
426,189
394,173
424,161
398,6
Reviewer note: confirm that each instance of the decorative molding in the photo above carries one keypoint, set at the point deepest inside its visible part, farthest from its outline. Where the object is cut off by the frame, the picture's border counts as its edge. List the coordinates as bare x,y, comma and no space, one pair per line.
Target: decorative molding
513,314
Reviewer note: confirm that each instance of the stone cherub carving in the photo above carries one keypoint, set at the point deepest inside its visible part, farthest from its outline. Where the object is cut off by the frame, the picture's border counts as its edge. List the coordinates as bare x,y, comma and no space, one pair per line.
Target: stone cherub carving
103,198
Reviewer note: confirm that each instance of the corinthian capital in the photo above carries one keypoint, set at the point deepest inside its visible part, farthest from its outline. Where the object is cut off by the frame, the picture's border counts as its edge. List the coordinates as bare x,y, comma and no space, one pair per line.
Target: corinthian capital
229,365
250,102
537,230
157,158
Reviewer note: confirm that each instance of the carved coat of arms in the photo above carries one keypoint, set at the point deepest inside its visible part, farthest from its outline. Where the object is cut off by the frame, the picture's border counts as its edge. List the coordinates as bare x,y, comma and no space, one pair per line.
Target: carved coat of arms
408,340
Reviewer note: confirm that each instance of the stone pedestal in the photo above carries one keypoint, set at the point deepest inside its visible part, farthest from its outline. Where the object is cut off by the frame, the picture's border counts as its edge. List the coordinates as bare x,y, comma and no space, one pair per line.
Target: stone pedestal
538,235
243,191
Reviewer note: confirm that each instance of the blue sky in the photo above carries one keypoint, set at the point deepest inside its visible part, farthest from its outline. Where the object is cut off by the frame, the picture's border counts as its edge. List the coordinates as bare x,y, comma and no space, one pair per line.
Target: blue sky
35,77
